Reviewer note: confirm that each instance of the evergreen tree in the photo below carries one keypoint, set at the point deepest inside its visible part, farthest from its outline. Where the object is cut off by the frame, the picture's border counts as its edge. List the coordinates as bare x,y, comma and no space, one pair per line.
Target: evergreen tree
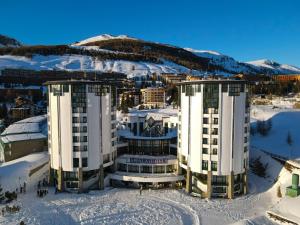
1,194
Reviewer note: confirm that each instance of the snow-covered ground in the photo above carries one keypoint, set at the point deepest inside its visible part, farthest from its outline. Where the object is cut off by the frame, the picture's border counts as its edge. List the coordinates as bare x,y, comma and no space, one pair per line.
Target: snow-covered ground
126,206
284,120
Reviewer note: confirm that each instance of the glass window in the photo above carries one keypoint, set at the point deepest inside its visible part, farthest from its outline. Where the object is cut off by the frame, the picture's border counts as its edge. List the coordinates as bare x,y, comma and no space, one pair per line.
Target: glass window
215,141
224,87
146,169
205,120
215,131
84,162
245,149
75,162
234,89
204,164
205,130
133,168
215,151
214,166
205,141
215,120
245,139
205,150
211,96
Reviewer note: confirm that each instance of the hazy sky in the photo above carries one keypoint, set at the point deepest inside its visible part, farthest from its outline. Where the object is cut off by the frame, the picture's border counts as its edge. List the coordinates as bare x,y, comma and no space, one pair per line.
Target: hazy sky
244,29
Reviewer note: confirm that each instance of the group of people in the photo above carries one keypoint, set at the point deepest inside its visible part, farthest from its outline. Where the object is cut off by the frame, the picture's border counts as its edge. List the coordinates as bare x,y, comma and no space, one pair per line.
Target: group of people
22,188
41,192
10,209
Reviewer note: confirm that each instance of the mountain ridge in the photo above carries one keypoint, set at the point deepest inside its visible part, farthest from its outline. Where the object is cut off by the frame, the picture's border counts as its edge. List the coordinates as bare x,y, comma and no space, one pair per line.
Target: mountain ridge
132,56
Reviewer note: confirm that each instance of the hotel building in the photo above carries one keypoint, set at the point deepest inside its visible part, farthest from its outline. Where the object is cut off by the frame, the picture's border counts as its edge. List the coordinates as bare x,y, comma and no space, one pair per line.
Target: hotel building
81,133
213,136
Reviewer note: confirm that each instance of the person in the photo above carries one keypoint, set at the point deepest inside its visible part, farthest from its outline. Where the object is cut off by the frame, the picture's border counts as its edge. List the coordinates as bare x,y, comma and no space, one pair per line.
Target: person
141,189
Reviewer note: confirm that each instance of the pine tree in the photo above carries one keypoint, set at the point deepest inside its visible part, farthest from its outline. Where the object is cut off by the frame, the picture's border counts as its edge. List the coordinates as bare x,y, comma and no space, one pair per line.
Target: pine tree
1,194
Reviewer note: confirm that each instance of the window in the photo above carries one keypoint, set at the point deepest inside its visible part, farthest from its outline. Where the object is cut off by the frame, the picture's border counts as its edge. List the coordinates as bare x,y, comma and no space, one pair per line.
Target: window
215,120
245,139
159,169
205,150
81,148
219,180
83,138
75,162
133,168
75,139
189,90
215,131
224,87
205,130
146,169
234,89
246,119
122,167
245,149
215,151
204,141
211,96
204,164
205,120
246,130
215,141
214,166
84,162
205,110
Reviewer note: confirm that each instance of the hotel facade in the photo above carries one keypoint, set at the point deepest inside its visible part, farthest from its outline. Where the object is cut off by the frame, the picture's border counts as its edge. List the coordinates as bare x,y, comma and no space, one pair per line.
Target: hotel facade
81,133
213,136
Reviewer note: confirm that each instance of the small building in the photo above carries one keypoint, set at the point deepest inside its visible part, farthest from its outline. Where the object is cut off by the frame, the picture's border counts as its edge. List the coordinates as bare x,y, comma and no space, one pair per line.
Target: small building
23,137
286,78
154,97
131,97
171,78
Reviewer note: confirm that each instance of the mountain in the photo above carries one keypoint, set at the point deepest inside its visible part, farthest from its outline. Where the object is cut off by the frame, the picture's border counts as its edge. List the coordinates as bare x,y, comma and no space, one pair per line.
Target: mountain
263,66
272,67
134,57
6,41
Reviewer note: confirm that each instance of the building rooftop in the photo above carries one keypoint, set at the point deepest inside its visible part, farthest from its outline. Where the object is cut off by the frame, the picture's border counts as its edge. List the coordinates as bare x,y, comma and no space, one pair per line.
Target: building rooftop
213,81
27,129
75,82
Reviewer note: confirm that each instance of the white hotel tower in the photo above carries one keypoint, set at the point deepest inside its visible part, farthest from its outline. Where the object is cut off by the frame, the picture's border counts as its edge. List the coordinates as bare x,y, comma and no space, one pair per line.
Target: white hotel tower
213,136
81,133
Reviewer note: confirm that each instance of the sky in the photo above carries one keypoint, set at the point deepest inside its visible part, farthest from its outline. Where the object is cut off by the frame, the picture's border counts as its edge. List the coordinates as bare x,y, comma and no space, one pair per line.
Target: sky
244,29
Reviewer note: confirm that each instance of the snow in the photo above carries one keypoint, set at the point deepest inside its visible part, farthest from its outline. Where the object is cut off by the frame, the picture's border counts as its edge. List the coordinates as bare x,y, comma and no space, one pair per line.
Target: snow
279,68
88,63
284,120
102,37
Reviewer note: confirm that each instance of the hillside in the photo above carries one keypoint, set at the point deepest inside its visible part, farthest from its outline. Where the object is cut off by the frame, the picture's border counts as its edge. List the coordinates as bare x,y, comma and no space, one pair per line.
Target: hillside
132,56
6,41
